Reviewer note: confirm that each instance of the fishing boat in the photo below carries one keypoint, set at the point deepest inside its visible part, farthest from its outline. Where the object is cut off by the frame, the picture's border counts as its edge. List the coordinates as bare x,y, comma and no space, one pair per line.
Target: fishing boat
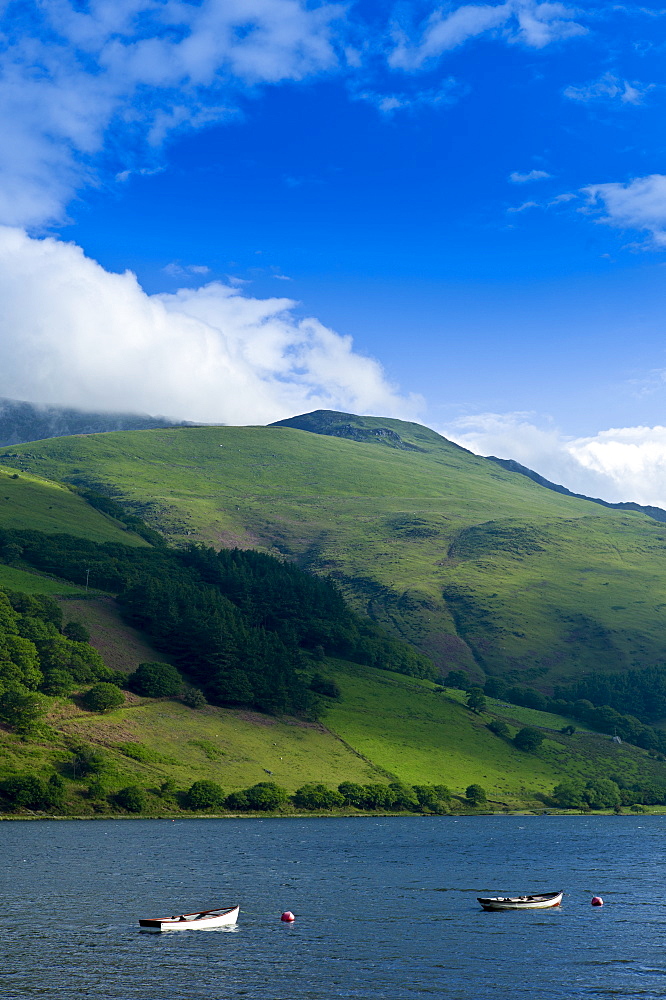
197,921
540,902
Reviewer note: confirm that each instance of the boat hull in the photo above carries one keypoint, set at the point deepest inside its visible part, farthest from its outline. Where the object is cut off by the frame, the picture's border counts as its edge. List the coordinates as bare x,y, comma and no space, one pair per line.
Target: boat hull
542,902
198,921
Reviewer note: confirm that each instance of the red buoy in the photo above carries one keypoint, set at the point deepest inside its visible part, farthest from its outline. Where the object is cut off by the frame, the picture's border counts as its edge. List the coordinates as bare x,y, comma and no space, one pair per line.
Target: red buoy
597,901
288,917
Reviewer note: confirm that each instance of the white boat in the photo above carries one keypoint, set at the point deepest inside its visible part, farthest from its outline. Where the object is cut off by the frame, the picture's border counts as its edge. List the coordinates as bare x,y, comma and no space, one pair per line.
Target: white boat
541,902
197,921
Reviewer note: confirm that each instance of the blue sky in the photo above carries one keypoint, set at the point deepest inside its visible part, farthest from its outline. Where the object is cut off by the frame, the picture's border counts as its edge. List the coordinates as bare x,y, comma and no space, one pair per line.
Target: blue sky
475,194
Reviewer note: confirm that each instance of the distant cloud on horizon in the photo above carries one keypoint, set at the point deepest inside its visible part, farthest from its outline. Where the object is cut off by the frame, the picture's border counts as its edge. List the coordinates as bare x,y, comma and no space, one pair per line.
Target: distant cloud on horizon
620,464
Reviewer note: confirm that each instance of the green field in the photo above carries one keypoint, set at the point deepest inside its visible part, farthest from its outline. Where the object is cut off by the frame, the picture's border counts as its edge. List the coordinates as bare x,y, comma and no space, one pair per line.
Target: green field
480,567
387,727
13,578
40,504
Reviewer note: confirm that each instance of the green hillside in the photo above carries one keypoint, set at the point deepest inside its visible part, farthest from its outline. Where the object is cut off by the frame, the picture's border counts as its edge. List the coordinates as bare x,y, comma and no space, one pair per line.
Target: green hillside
478,566
31,501
386,728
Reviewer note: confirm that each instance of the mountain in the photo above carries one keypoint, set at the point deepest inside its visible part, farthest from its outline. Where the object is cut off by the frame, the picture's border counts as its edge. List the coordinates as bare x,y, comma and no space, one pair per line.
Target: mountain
658,513
481,566
21,421
477,565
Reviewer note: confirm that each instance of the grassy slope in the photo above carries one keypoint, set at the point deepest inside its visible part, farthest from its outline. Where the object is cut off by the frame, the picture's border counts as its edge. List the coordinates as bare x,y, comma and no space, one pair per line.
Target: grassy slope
121,646
13,578
422,736
387,725
31,501
550,585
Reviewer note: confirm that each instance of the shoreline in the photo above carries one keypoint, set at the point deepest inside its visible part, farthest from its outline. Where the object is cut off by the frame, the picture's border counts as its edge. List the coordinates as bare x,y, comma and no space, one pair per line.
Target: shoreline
524,813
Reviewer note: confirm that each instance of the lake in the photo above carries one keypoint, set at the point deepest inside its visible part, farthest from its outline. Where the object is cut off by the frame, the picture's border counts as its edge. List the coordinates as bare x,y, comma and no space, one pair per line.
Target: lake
385,908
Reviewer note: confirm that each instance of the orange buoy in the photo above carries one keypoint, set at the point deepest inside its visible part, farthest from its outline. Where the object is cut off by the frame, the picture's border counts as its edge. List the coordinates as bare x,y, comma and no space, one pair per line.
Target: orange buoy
597,901
288,917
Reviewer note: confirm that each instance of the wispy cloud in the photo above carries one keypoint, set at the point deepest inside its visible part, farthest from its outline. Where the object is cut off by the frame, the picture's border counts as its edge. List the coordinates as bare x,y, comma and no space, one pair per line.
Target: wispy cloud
639,204
75,75
448,91
528,22
609,88
532,175
72,332
177,270
525,207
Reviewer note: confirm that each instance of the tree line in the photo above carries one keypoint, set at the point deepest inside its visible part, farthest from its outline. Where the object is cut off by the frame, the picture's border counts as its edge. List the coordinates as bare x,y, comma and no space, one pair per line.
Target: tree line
566,701
23,791
236,623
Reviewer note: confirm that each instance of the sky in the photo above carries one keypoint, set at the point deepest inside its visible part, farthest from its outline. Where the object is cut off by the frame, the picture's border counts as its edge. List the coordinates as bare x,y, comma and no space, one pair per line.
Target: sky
234,211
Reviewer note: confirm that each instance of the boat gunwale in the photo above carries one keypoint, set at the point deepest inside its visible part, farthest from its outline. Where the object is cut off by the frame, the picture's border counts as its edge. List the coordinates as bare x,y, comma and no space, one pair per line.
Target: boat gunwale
194,915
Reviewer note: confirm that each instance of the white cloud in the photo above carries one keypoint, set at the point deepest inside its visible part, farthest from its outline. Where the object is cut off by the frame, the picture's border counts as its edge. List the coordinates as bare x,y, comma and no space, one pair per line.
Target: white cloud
71,332
448,92
72,75
639,204
609,87
619,464
525,21
90,91
176,270
532,175
525,207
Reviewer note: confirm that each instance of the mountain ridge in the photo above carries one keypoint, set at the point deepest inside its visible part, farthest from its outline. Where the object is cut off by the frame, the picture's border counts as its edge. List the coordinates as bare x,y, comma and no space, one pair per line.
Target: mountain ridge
475,565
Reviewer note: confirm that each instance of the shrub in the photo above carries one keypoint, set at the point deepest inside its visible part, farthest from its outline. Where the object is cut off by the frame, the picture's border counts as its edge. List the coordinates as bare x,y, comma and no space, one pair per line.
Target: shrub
569,794
495,687
528,739
23,791
434,798
168,789
476,794
156,680
204,795
96,790
103,697
57,682
132,799
266,796
499,728
476,700
88,761
404,796
76,632
194,698
325,686
30,791
379,796
22,710
237,801
457,679
317,796
352,794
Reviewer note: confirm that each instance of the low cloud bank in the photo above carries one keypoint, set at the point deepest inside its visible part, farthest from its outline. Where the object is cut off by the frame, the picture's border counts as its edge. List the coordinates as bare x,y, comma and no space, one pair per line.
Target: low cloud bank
72,333
618,464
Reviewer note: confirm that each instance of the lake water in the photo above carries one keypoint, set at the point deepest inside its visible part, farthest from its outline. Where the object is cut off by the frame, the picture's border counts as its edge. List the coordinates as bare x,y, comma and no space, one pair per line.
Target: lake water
385,908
